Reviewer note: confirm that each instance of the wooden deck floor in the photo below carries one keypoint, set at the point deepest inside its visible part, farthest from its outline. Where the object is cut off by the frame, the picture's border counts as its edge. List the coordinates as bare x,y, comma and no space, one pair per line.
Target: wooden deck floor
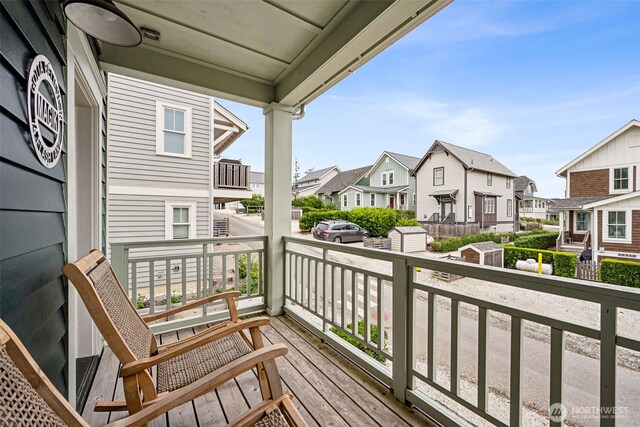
328,389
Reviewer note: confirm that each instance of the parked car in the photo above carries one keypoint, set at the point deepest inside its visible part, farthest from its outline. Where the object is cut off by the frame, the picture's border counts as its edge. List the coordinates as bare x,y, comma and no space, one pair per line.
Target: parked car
339,231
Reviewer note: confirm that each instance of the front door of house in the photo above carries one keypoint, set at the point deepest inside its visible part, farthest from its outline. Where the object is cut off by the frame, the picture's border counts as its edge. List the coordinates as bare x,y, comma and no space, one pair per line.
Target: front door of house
392,202
446,207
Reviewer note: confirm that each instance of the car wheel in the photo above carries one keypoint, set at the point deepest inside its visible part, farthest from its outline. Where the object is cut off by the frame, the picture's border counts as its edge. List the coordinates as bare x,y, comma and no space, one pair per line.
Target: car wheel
365,236
337,239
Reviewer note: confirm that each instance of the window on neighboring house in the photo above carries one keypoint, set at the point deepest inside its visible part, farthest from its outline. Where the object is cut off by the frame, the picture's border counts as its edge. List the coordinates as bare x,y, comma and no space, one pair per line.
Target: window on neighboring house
414,200
173,130
384,179
508,182
620,179
509,207
438,176
372,200
489,178
387,178
617,225
402,199
489,205
344,200
390,178
180,220
358,199
582,221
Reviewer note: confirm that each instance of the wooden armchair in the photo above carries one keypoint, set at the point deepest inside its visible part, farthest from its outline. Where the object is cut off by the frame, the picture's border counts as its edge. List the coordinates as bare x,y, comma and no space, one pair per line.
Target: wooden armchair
178,364
28,398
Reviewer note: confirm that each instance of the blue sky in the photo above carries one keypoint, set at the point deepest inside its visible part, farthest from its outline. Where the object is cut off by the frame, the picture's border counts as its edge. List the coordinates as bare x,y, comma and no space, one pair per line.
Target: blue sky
533,83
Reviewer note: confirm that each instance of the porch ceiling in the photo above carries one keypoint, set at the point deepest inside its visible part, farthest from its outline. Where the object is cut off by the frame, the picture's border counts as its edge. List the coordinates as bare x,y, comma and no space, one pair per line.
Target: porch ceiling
258,52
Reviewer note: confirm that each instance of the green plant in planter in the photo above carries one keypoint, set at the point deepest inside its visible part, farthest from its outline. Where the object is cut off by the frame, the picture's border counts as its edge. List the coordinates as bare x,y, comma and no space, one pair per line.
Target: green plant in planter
176,298
140,302
373,332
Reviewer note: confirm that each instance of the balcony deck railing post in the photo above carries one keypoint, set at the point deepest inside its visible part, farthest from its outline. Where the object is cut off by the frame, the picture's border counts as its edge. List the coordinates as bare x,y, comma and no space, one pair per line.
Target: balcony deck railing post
401,299
608,362
120,264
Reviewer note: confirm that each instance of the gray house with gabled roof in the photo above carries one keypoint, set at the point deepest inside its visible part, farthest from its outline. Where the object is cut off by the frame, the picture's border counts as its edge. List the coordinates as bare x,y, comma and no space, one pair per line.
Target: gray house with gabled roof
460,186
330,192
312,181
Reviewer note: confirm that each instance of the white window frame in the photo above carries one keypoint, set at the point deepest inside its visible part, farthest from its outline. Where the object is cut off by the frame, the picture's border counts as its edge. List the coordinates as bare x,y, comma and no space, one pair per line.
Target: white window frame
509,208
575,222
372,199
168,217
435,183
345,201
387,178
628,223
160,106
489,202
629,179
403,199
358,200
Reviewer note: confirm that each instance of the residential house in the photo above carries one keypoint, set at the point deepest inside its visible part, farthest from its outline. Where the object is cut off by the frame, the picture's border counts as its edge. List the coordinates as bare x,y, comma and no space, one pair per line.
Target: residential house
257,183
331,191
602,205
390,183
162,178
312,181
460,186
528,204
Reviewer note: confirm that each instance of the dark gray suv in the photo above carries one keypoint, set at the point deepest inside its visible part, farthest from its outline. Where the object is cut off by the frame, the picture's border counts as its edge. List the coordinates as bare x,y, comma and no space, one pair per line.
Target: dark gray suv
339,231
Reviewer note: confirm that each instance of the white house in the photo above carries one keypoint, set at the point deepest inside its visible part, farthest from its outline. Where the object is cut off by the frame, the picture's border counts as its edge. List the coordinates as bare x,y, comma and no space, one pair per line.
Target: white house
313,181
602,205
460,186
528,204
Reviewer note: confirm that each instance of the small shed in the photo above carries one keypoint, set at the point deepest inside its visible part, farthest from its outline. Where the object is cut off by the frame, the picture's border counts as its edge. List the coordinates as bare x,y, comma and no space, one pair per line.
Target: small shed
484,253
408,239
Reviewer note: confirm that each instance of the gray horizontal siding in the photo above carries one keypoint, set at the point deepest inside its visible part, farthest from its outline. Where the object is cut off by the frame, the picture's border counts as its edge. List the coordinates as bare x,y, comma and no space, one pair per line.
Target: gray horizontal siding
132,135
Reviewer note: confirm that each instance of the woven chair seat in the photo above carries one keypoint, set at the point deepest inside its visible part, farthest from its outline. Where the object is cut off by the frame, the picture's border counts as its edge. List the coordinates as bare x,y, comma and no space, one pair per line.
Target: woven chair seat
195,364
273,419
20,403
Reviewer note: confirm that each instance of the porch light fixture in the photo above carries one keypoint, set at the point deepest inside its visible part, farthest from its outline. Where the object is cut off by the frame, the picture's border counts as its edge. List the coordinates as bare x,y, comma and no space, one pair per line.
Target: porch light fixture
104,21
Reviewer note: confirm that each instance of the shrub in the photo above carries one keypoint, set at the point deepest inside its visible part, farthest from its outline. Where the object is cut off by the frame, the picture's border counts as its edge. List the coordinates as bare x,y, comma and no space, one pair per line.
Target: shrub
255,200
436,246
402,214
309,219
378,221
242,273
564,263
536,240
373,332
407,222
310,201
620,272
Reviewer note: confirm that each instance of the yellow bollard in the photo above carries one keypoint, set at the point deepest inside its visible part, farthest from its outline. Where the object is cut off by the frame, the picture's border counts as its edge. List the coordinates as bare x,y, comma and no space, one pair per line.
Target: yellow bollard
418,269
539,263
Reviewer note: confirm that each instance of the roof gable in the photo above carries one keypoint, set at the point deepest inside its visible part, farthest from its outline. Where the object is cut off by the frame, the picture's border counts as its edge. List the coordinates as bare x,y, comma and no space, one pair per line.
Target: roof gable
227,127
407,162
522,182
317,174
470,159
343,180
563,170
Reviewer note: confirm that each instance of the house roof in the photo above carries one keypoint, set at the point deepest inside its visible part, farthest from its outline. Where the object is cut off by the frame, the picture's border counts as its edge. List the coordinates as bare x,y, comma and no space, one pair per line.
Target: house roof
522,182
227,127
574,202
632,195
563,170
304,188
257,177
483,246
409,162
343,180
382,190
410,230
317,174
441,193
471,159
486,193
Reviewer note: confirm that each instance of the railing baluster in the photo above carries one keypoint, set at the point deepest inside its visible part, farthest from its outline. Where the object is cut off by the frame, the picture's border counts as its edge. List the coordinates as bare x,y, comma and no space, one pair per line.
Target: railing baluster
608,363
354,303
308,283
288,269
167,284
315,286
134,283
224,273
152,287
260,278
380,313
198,278
365,293
483,336
334,306
205,279
454,384
210,275
295,277
236,272
184,280
343,300
515,397
249,281
555,372
431,337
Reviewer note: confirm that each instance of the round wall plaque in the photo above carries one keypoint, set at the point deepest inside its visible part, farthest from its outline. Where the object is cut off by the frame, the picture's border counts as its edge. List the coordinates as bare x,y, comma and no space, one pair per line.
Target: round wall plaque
46,115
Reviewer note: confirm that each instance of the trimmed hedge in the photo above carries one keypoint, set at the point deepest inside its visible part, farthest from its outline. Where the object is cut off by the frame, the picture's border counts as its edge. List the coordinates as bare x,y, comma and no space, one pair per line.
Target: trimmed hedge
620,272
373,333
408,222
378,221
454,243
536,241
564,263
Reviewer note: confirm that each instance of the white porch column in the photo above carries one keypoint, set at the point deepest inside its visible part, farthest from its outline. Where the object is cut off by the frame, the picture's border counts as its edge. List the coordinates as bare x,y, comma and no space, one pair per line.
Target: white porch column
277,216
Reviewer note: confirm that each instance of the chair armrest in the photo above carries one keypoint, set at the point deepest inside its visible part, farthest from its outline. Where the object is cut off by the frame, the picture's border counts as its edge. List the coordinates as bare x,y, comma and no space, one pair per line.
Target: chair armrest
265,355
229,296
230,328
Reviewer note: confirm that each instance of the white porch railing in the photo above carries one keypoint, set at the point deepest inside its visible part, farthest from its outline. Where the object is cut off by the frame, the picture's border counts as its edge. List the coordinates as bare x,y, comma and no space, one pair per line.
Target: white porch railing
167,273
326,292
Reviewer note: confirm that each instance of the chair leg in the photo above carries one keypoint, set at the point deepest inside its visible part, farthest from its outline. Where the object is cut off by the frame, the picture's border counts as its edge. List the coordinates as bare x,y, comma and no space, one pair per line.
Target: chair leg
132,393
256,338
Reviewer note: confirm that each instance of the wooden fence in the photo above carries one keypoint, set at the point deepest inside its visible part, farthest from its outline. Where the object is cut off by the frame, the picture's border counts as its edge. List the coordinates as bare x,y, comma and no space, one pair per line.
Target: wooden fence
450,230
587,270
221,227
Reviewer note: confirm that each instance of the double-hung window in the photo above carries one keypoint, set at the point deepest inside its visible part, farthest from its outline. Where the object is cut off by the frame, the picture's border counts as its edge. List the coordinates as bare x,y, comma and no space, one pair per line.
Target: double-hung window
509,207
489,205
582,221
618,226
372,199
438,176
173,130
345,201
620,179
358,199
180,220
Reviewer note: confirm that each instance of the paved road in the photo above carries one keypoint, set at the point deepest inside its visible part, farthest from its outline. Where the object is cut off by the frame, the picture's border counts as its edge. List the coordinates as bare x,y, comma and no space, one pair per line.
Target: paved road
581,378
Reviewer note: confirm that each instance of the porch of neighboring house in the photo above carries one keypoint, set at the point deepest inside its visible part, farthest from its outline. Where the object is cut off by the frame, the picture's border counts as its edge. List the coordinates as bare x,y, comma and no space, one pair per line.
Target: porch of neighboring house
328,389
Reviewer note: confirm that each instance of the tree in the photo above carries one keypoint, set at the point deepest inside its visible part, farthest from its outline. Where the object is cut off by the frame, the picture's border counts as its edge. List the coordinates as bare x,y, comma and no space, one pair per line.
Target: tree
296,172
308,171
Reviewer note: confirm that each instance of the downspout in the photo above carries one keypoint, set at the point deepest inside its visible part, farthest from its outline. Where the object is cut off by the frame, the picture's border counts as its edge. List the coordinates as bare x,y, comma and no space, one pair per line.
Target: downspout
299,113
465,209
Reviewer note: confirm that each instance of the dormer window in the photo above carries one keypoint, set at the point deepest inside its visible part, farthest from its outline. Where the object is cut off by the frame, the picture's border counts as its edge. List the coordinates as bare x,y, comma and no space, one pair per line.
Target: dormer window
620,179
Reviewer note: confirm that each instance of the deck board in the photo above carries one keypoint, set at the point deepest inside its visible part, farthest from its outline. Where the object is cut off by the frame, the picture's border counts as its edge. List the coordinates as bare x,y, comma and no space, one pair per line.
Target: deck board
328,389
